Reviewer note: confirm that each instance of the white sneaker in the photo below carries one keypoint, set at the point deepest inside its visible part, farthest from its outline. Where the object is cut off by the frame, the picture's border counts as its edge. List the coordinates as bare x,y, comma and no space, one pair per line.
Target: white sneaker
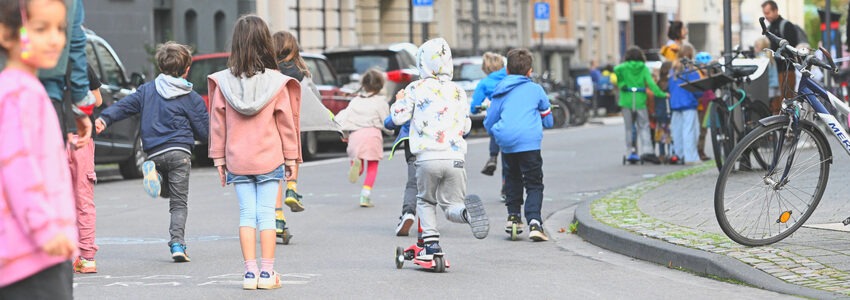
404,224
268,280
249,281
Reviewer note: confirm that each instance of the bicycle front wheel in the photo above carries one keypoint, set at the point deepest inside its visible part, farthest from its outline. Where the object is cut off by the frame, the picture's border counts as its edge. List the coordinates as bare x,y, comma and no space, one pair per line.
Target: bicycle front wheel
753,205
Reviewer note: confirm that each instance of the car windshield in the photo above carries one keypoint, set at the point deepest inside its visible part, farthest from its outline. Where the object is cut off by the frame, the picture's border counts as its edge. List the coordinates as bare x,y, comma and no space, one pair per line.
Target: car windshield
468,72
350,63
201,69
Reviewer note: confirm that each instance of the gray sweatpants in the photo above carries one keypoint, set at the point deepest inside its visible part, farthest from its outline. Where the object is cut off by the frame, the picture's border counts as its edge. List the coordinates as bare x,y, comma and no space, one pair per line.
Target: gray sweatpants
641,123
443,183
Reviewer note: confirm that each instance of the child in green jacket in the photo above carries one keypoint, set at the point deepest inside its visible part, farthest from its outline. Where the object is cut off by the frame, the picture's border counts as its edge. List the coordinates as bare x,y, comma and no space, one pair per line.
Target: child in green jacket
633,78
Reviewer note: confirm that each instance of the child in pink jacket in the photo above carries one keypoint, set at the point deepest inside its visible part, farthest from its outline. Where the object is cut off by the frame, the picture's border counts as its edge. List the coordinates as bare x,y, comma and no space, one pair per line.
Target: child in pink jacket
255,140
38,230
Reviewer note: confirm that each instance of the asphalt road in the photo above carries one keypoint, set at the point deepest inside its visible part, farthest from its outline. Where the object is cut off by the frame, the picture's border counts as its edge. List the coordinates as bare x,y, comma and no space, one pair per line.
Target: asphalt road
343,251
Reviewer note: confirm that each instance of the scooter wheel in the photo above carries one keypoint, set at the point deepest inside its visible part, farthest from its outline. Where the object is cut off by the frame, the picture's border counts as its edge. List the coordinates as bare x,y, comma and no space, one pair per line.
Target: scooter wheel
285,237
514,234
624,160
399,257
439,264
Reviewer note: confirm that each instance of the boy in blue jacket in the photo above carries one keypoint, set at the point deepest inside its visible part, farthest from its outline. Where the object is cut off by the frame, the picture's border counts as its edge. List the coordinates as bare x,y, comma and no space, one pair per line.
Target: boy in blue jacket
518,112
494,65
684,122
173,117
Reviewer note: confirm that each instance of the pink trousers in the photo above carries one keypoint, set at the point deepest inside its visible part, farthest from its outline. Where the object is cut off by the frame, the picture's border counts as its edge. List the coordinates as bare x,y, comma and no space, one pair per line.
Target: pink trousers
83,177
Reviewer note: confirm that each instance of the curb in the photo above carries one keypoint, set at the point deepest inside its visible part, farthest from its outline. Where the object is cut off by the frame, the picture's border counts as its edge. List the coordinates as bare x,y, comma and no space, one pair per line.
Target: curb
697,261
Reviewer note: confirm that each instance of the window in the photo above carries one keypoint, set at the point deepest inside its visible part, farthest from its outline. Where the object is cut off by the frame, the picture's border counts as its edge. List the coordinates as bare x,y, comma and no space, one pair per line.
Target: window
201,68
110,70
562,8
191,28
220,36
91,58
327,74
314,71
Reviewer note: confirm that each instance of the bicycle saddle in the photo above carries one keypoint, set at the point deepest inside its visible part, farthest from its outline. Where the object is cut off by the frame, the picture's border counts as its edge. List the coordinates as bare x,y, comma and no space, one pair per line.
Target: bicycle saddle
742,71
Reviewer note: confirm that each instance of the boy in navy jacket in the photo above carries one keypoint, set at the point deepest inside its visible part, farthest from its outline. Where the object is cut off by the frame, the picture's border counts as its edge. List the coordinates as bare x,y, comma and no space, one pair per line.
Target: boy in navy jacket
518,112
173,117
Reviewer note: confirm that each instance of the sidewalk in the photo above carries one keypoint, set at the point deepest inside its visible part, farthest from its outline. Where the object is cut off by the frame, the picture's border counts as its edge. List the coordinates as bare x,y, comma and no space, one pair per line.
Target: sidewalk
670,220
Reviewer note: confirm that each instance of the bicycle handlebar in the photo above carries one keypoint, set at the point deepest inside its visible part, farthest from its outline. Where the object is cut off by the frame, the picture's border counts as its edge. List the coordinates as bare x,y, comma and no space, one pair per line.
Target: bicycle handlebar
786,52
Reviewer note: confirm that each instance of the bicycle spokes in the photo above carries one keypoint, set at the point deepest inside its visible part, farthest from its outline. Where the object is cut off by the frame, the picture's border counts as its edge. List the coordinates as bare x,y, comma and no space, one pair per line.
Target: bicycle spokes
767,202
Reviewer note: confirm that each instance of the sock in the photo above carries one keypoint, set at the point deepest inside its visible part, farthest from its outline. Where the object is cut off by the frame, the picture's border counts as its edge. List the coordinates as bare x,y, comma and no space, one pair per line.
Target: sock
251,266
292,185
465,215
366,191
278,214
267,265
535,221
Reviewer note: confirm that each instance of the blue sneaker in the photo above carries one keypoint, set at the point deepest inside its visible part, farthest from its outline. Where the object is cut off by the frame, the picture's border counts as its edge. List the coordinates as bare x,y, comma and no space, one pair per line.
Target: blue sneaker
429,251
178,253
151,180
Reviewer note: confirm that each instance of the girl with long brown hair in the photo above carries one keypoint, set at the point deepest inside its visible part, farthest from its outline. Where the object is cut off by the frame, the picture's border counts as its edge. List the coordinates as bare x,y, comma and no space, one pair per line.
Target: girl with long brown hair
255,140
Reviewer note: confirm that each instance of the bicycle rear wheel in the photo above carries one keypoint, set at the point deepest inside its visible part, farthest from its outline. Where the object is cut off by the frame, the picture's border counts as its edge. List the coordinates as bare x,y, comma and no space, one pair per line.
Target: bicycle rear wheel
753,112
751,207
722,134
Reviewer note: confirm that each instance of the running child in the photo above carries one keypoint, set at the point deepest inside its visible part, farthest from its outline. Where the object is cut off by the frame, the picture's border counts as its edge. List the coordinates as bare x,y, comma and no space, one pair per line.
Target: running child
39,232
439,118
517,115
173,118
408,205
364,117
255,140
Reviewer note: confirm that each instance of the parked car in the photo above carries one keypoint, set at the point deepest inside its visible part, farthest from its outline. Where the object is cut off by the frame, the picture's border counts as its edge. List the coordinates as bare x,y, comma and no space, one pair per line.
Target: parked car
395,60
121,142
324,76
467,73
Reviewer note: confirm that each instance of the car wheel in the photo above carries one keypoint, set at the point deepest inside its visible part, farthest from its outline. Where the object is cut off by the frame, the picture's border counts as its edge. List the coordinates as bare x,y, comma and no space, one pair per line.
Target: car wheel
309,145
132,167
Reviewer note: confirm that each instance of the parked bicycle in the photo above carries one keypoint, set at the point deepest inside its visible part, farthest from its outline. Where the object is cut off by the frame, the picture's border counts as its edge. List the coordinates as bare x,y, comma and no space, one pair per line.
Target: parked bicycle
760,206
734,114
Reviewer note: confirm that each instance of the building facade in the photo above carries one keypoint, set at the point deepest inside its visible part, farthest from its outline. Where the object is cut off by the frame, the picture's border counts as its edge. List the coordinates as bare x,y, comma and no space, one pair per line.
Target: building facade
135,27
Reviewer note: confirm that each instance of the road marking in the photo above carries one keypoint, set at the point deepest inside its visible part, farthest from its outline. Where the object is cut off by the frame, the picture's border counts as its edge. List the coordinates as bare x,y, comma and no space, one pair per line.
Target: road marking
179,280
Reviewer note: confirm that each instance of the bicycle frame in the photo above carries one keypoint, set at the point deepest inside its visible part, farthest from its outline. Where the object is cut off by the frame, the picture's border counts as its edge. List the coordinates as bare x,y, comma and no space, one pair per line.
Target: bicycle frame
810,89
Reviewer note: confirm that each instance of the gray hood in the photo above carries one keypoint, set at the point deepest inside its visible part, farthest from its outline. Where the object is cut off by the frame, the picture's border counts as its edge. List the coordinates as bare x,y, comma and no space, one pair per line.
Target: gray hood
249,95
172,87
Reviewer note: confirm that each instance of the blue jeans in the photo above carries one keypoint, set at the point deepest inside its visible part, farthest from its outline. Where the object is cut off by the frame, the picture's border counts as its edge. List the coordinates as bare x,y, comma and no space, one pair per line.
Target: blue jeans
494,148
524,169
257,195
684,127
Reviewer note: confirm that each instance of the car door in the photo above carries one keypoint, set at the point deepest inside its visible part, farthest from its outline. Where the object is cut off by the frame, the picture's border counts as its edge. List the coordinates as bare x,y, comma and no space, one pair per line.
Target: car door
122,135
103,143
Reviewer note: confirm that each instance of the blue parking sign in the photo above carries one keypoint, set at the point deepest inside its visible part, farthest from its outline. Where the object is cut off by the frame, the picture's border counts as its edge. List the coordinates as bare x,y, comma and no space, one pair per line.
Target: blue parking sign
541,11
423,2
